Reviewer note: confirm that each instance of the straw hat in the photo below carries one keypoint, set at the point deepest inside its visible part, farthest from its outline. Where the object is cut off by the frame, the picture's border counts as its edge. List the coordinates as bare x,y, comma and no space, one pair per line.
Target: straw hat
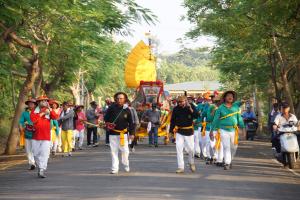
41,98
30,99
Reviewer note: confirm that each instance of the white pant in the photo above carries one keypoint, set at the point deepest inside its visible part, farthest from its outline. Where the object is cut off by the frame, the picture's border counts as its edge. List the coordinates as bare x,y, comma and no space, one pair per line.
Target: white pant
197,135
227,139
210,146
114,142
29,152
219,154
204,140
54,144
41,151
186,142
80,135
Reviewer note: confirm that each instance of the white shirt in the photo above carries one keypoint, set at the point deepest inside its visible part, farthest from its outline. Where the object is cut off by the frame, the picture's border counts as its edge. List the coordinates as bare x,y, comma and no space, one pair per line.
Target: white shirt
280,120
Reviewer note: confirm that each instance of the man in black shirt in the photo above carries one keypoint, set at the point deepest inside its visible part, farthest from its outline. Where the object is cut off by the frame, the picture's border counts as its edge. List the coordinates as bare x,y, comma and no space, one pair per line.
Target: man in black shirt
182,125
119,122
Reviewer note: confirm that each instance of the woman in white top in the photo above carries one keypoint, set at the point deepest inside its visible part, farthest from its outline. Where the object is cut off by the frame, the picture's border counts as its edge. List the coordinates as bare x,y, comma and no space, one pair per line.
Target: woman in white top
282,119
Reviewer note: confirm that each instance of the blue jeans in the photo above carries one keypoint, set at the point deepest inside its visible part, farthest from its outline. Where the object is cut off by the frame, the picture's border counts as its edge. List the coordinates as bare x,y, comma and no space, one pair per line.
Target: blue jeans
153,134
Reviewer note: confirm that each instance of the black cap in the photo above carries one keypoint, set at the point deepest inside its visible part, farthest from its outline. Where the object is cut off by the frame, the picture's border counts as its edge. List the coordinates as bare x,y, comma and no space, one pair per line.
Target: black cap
285,105
93,103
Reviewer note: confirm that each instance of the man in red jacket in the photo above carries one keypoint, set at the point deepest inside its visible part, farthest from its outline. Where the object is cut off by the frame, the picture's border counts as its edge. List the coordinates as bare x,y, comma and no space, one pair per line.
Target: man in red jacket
41,117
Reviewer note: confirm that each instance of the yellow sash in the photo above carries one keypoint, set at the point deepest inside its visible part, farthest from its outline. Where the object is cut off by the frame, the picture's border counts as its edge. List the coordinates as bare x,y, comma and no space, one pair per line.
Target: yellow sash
236,135
203,129
230,115
22,138
122,135
218,140
183,127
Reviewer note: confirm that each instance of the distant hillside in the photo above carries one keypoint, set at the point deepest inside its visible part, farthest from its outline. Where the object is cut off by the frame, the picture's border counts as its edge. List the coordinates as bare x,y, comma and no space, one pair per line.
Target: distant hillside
187,65
189,57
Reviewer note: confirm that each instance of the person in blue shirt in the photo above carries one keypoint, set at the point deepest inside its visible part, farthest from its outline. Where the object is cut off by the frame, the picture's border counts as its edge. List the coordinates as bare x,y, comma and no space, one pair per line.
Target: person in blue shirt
248,115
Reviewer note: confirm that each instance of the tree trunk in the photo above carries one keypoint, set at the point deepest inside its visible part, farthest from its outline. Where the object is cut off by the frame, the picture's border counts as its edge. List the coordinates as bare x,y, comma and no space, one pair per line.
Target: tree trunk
259,112
32,67
284,69
76,93
12,141
274,76
287,91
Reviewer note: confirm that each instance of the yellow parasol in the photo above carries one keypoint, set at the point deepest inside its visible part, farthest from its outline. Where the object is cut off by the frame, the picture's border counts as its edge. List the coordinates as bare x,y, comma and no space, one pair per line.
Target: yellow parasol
140,66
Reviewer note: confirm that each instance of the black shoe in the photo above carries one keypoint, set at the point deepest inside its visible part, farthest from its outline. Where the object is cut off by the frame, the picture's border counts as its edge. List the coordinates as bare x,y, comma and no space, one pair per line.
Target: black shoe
207,161
156,145
53,153
32,167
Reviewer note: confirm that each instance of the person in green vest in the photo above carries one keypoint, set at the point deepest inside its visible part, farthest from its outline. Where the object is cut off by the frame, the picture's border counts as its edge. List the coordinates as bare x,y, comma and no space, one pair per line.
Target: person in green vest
26,125
209,116
228,119
203,137
197,130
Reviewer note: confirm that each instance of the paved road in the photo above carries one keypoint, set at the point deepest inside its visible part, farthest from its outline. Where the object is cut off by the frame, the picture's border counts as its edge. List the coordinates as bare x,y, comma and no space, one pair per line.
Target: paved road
86,176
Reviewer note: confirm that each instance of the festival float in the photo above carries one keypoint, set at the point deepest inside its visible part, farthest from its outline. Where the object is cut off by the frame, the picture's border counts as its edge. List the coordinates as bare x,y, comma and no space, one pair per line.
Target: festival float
140,74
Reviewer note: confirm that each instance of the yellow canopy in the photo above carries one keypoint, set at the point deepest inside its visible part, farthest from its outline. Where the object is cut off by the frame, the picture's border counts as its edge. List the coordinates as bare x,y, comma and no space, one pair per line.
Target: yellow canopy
139,66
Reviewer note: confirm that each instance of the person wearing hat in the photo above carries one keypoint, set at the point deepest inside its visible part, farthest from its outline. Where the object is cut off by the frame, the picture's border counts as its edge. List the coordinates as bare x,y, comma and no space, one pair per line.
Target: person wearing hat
26,126
208,115
119,123
55,130
66,120
152,116
182,125
92,116
79,125
228,119
40,118
284,118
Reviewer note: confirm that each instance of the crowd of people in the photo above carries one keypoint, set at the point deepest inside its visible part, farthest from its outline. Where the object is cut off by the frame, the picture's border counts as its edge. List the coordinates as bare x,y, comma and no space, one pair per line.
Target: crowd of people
207,129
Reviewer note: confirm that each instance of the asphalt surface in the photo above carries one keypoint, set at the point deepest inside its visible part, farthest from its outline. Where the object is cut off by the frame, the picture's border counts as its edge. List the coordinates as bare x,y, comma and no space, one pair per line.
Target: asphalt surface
255,175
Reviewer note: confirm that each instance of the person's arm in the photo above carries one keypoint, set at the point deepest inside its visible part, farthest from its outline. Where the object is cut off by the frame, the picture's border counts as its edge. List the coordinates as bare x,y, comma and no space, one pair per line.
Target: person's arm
35,117
276,122
216,119
53,115
253,115
130,123
240,121
194,113
22,120
173,119
107,114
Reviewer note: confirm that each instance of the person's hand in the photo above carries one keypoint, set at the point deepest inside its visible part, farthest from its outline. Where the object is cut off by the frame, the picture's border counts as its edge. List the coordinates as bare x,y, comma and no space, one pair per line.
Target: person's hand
22,129
47,111
131,137
211,135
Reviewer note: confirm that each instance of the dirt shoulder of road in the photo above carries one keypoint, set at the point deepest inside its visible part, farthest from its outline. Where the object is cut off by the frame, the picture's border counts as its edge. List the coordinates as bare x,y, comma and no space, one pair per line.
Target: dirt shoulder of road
7,161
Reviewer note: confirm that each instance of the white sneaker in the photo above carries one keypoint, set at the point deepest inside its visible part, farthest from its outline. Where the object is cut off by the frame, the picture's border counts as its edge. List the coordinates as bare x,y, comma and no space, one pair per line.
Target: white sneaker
127,169
114,172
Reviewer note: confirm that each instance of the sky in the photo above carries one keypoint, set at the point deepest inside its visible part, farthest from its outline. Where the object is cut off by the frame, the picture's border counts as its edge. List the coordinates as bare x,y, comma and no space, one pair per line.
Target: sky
168,29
